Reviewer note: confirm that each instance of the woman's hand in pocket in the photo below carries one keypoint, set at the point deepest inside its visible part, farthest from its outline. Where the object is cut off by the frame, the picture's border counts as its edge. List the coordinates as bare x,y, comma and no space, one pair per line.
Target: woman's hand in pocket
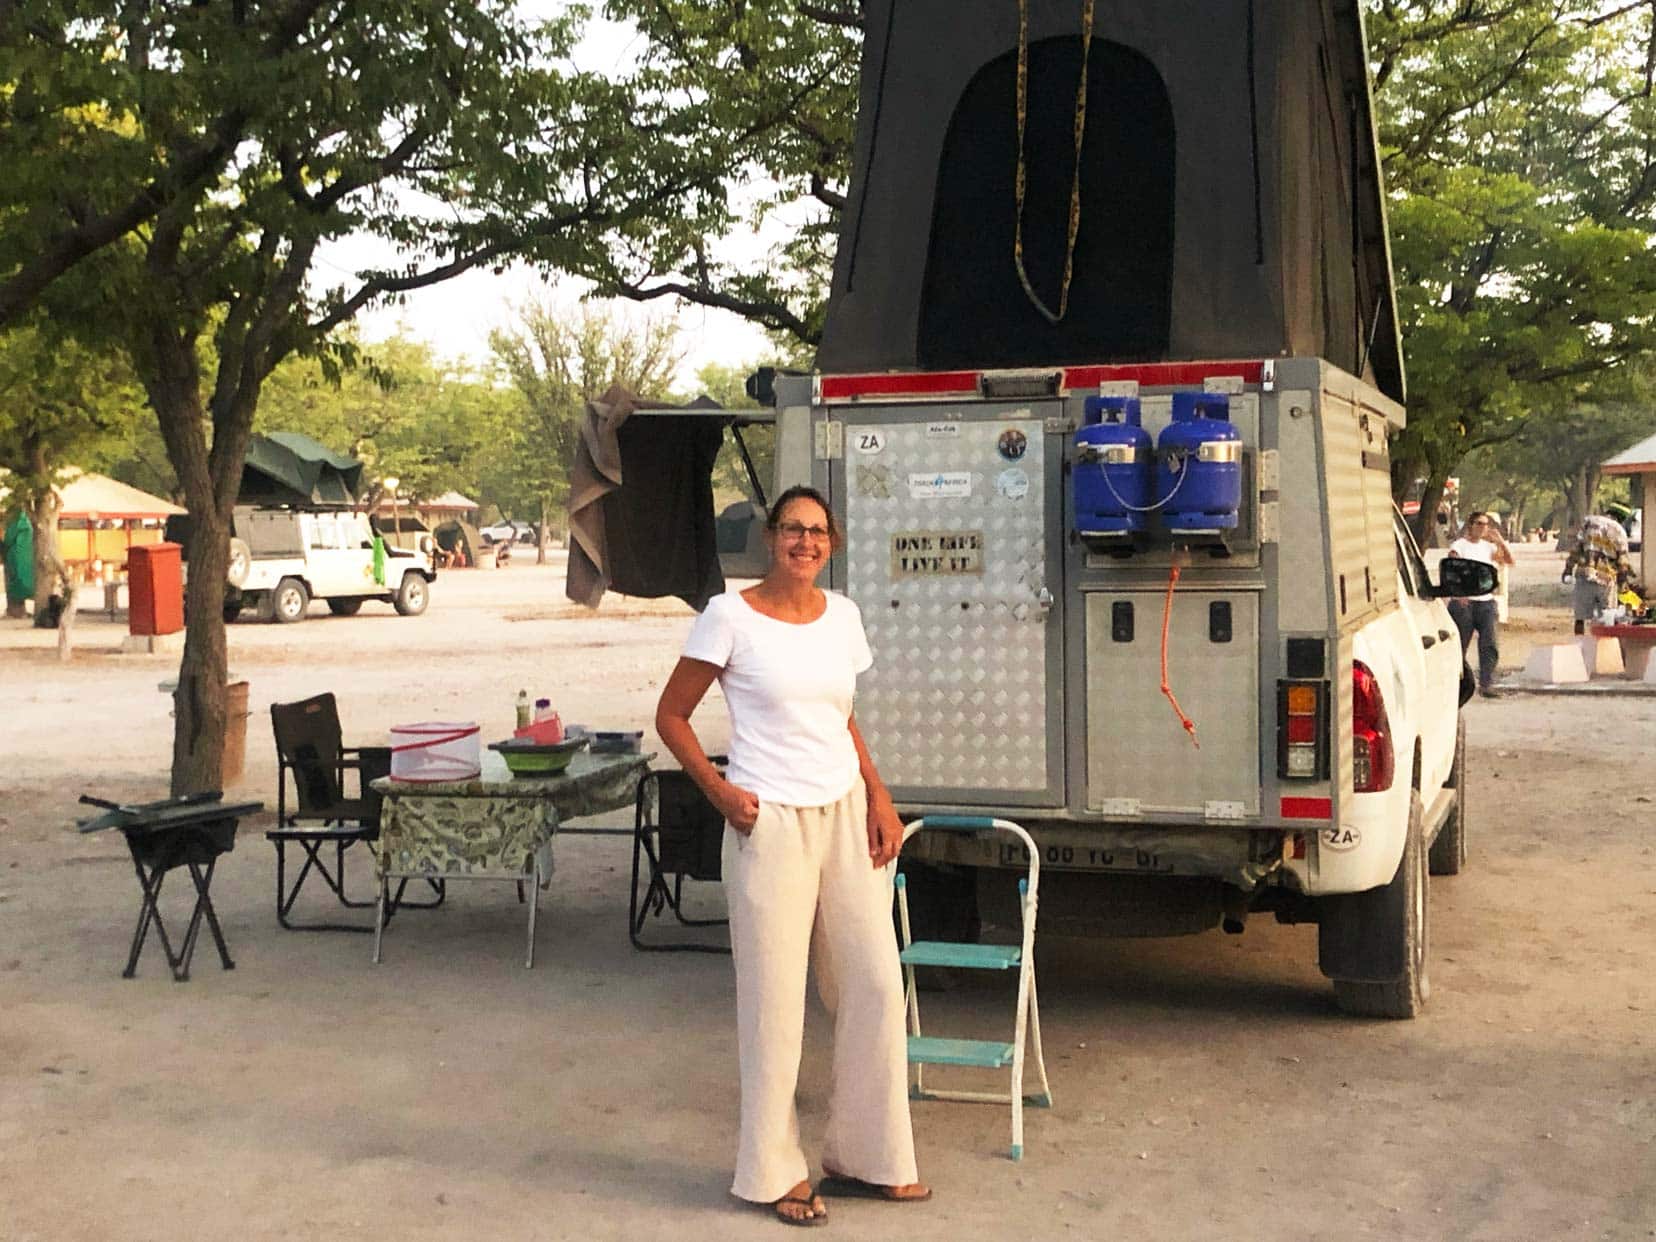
739,806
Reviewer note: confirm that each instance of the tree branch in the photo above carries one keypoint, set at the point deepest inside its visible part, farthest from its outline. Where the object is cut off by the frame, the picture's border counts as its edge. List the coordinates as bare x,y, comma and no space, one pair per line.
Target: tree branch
766,311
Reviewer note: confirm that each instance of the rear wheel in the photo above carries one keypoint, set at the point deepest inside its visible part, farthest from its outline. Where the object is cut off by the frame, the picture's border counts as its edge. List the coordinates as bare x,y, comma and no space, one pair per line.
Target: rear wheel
412,596
1396,915
347,606
289,601
232,611
1448,853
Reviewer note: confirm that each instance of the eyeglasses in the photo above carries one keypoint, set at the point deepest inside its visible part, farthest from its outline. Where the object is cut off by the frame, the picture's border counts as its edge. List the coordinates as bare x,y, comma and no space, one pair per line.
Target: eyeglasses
1481,522
798,530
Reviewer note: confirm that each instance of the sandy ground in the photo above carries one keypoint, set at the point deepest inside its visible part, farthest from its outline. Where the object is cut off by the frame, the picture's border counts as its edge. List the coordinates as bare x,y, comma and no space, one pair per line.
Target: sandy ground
1205,1087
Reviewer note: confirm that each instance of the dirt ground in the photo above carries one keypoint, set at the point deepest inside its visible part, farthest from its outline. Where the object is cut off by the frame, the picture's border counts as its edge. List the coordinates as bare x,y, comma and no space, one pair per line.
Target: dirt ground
1205,1087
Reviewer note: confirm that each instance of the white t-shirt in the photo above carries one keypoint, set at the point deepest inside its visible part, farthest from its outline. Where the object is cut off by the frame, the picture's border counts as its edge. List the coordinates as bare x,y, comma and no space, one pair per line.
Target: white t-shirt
789,690
1475,550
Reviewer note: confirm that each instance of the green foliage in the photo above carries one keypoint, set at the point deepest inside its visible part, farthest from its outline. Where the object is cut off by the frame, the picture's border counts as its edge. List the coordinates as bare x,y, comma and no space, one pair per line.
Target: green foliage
771,89
402,411
1518,136
61,405
173,167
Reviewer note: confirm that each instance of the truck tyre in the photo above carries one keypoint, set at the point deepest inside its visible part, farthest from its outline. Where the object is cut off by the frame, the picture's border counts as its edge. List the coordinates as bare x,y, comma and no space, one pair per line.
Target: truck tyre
241,562
289,601
232,611
412,596
1405,926
345,606
1448,853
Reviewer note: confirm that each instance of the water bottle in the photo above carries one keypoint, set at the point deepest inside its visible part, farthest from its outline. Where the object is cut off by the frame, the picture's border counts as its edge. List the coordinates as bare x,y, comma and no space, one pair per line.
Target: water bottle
523,709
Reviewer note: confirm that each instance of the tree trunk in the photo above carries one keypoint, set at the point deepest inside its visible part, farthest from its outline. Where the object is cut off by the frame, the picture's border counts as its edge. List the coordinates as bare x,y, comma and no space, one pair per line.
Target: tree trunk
51,574
1579,496
1424,523
200,702
540,532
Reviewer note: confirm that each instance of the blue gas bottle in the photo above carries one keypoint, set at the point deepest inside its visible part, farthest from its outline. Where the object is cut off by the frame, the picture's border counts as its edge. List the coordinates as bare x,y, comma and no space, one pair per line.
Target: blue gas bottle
1199,469
1114,468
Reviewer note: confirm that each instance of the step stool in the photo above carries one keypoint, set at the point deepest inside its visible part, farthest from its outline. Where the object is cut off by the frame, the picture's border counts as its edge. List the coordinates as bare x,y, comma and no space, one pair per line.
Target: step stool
924,1050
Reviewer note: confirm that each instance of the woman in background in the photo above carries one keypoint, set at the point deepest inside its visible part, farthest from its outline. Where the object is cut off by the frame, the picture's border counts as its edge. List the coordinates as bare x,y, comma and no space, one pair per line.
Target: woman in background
1480,540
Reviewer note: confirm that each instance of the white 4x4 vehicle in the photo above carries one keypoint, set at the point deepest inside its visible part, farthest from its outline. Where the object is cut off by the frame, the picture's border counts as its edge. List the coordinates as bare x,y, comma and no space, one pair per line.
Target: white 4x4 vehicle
1028,657
281,559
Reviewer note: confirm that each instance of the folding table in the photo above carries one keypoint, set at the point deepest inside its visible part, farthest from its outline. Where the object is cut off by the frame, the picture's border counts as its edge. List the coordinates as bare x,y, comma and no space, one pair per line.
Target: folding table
190,832
492,827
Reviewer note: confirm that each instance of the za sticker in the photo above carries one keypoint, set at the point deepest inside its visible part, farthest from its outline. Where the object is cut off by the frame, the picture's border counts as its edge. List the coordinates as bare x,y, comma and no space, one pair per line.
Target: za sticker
1340,839
868,441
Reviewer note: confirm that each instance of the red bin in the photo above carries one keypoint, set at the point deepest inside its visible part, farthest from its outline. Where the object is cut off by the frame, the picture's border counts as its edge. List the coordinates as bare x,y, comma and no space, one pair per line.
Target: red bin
155,588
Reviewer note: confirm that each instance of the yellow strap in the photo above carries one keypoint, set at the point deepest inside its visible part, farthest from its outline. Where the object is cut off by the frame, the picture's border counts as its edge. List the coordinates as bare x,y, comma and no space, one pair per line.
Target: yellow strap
1075,183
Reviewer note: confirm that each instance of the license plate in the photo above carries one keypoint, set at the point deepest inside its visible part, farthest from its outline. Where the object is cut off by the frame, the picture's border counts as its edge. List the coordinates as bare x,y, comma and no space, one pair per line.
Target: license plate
1088,858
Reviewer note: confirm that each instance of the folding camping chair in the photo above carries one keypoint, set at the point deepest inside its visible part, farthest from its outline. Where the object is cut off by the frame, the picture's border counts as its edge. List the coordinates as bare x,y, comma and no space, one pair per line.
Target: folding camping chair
678,834
309,745
924,1050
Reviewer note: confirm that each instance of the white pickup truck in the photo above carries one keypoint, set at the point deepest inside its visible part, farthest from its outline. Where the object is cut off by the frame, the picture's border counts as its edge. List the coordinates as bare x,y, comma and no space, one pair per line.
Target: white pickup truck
1022,658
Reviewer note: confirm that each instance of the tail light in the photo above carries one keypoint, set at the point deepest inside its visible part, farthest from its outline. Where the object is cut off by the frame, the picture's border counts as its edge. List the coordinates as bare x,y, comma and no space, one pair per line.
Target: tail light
1302,730
1372,759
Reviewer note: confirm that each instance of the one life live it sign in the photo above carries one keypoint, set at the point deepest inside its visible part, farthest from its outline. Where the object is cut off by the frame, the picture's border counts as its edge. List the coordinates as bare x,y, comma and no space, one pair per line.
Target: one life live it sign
936,553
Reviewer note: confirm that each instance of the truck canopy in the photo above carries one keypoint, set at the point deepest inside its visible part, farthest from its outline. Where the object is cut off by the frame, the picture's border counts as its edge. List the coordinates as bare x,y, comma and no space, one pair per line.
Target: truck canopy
1230,198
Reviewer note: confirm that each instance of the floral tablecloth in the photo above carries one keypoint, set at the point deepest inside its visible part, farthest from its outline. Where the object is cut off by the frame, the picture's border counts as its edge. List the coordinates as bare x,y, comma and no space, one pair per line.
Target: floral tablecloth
496,824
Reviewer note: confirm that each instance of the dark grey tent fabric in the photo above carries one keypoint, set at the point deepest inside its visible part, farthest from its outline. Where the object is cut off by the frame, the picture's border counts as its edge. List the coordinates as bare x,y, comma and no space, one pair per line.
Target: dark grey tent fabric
1231,203
287,468
641,502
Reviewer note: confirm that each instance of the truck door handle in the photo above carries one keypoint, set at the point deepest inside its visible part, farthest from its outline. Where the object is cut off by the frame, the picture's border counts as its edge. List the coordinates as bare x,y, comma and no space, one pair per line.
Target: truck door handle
1427,641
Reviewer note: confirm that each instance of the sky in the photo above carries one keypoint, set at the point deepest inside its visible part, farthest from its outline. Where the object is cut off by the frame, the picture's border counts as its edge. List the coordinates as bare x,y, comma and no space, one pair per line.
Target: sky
456,316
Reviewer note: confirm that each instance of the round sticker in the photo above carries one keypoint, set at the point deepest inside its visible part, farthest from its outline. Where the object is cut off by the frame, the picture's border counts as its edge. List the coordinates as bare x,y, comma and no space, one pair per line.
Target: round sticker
1013,484
1012,444
868,441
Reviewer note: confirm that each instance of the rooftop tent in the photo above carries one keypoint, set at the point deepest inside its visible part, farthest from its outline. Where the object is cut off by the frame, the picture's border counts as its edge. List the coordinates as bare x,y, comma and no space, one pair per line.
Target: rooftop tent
1230,203
286,468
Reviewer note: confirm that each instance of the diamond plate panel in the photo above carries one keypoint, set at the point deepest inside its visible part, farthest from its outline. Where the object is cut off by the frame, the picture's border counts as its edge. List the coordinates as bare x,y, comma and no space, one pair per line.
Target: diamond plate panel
957,697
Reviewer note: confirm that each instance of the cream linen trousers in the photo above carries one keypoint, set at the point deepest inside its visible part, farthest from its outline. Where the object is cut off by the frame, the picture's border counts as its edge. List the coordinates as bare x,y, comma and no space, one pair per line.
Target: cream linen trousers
802,892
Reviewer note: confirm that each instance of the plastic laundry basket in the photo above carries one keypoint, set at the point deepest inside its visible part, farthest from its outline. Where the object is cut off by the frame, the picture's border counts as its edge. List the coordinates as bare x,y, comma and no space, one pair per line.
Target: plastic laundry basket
435,750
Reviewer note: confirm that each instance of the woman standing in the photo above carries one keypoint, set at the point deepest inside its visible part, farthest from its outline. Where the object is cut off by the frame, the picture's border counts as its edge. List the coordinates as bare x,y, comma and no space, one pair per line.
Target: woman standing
810,834
1480,541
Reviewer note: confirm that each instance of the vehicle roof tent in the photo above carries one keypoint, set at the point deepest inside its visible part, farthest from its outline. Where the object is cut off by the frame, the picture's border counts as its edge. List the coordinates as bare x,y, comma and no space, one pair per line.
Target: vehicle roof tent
1230,197
286,468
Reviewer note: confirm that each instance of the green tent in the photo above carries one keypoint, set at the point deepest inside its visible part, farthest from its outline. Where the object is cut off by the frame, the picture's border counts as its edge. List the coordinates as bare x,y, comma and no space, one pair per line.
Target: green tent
286,468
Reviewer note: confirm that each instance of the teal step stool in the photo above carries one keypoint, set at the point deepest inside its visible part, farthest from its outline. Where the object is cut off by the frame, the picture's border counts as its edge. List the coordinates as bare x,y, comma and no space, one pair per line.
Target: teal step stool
924,1050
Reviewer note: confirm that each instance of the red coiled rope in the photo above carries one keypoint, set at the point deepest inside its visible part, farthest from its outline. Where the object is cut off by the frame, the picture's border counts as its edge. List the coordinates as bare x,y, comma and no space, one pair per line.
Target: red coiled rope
1166,689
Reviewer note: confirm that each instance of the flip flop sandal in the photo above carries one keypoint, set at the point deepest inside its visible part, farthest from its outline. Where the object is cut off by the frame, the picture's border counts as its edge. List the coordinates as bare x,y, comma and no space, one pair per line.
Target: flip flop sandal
839,1186
813,1201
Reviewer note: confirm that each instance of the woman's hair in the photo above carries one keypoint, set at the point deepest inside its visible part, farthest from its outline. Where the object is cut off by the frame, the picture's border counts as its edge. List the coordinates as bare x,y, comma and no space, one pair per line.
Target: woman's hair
801,491
1474,516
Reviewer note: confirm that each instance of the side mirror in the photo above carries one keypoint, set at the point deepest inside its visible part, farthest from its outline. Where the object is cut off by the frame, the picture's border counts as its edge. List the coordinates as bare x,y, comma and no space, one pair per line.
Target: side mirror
1460,576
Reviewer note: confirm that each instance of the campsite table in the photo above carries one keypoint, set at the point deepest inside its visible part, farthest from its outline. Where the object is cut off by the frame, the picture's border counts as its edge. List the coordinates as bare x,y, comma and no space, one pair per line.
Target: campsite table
1636,642
495,826
191,832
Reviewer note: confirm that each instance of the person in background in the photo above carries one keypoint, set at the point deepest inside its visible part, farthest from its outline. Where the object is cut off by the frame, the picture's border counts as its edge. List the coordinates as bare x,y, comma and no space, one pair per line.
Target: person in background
17,549
1480,540
1598,562
811,833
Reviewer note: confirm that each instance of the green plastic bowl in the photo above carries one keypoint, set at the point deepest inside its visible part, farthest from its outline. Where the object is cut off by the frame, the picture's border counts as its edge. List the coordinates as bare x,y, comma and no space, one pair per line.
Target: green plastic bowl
526,758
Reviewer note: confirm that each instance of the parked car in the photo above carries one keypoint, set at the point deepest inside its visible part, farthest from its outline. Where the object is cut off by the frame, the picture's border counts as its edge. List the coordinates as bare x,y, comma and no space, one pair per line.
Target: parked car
282,558
510,532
